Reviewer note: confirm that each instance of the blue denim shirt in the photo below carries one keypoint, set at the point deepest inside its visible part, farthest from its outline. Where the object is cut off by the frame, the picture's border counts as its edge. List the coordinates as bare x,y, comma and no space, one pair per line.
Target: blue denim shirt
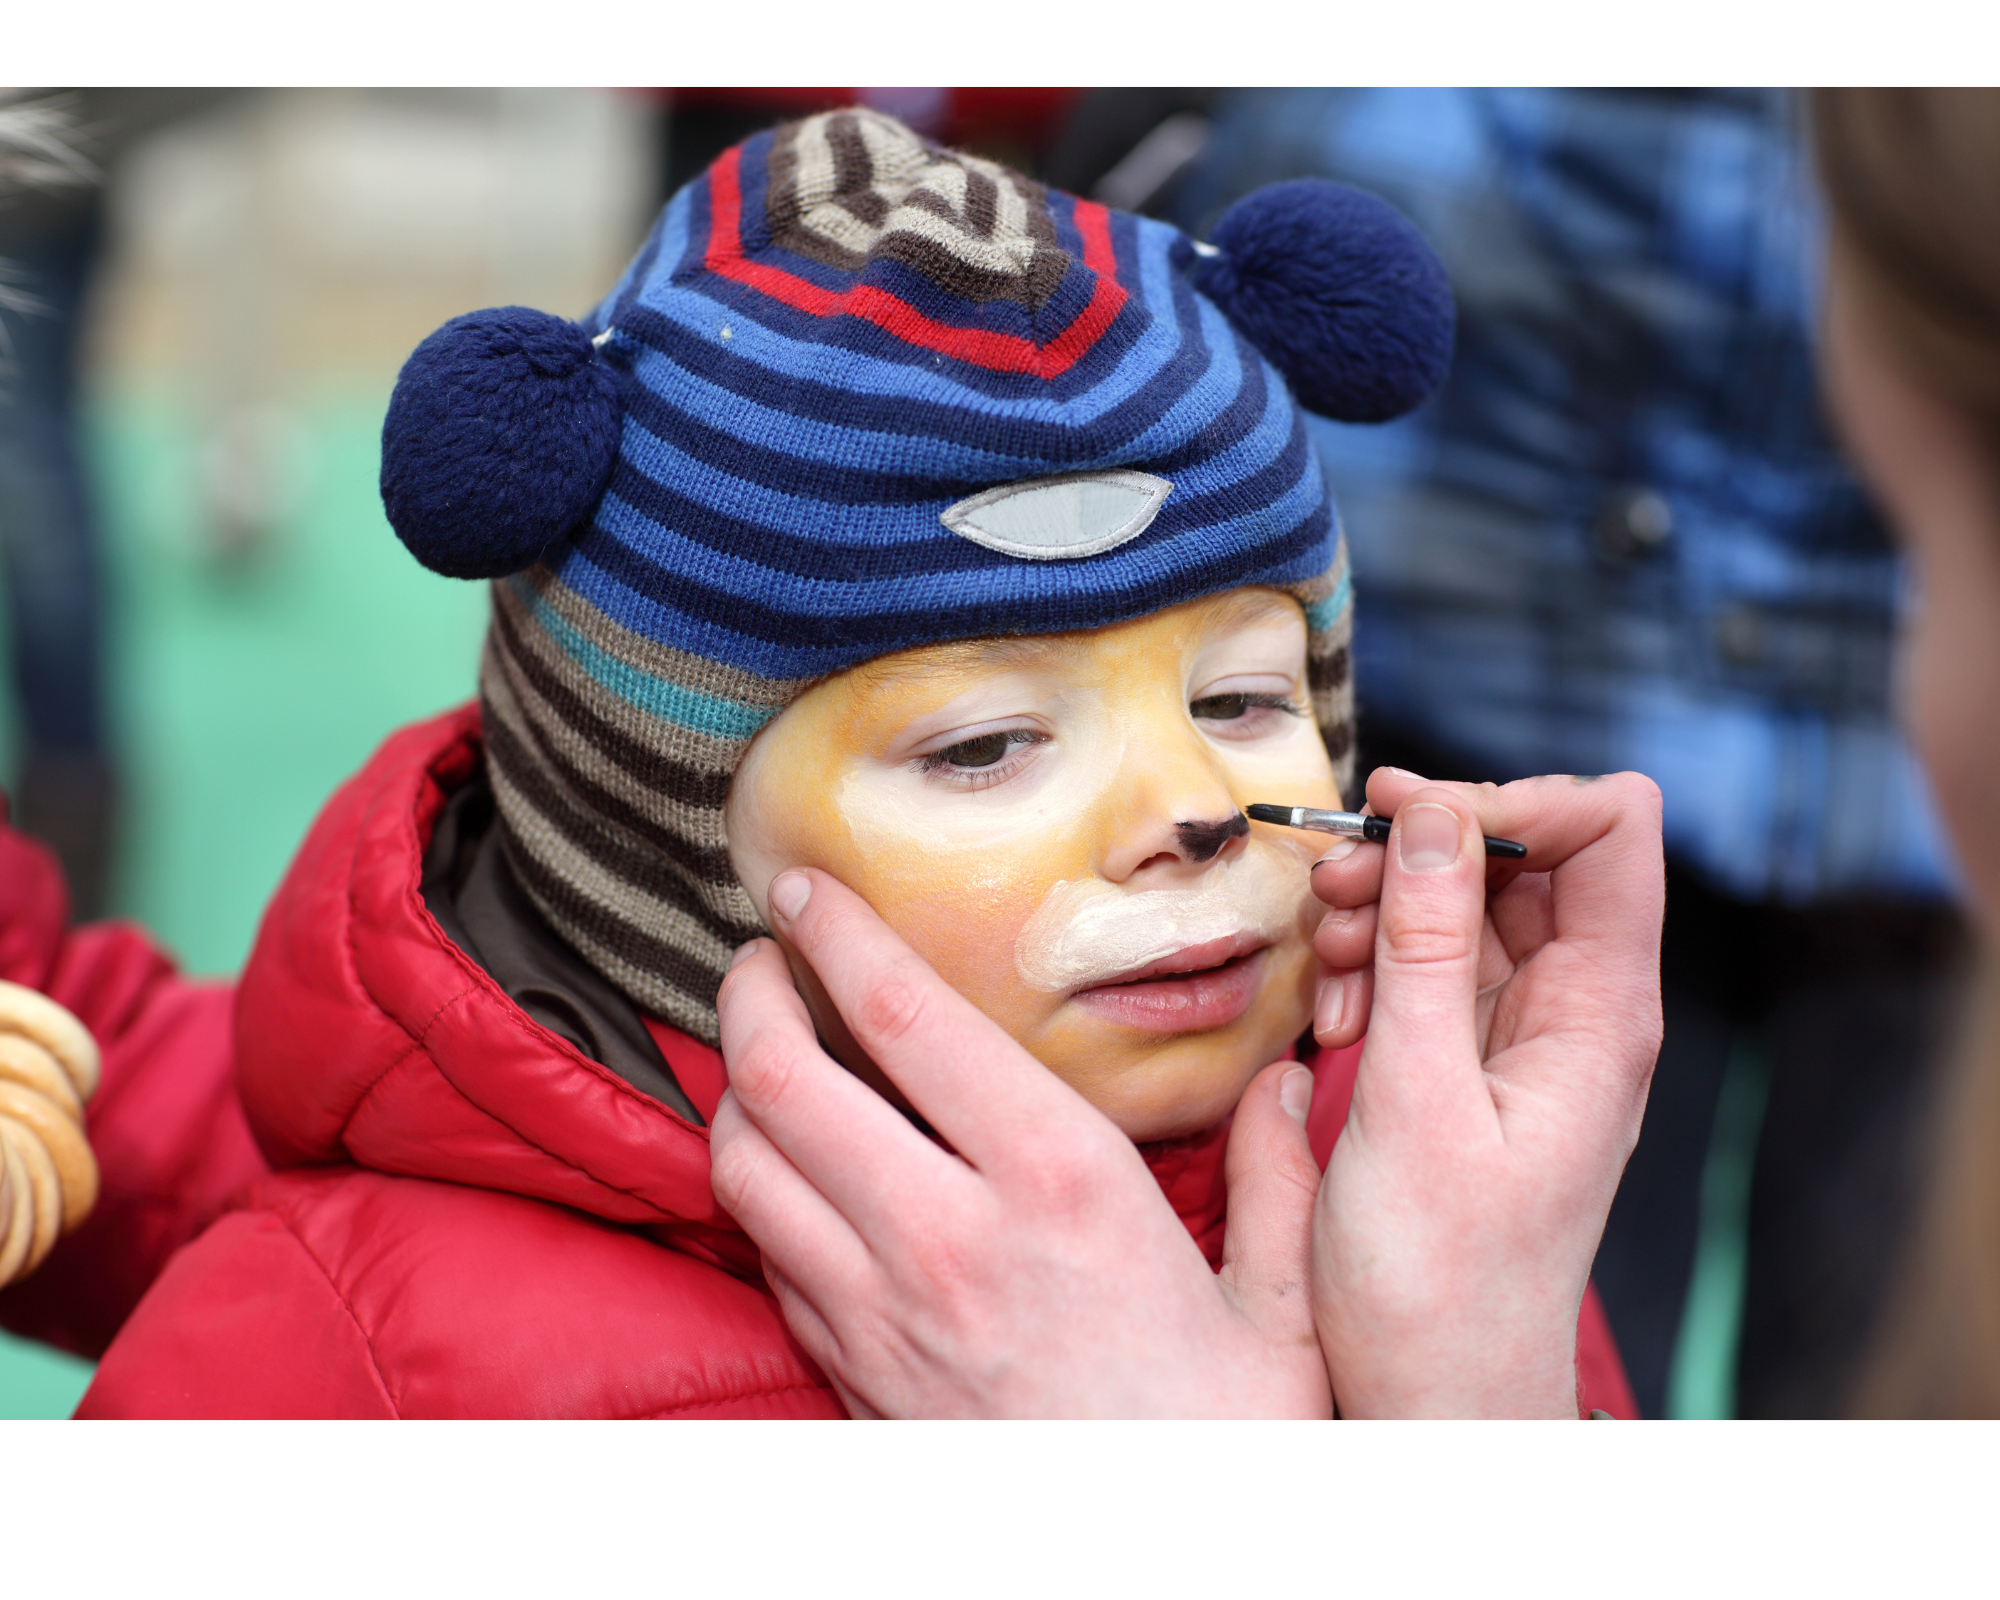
1621,537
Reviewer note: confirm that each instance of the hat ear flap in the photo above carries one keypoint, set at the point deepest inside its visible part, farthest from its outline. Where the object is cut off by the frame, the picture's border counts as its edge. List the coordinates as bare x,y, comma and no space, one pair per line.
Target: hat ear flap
1338,291
500,439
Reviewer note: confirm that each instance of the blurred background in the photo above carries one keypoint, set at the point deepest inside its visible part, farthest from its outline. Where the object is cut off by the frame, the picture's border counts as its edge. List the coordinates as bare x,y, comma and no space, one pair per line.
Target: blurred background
1619,538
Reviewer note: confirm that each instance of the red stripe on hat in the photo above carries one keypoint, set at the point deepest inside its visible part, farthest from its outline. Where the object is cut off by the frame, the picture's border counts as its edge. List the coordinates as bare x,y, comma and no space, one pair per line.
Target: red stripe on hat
997,352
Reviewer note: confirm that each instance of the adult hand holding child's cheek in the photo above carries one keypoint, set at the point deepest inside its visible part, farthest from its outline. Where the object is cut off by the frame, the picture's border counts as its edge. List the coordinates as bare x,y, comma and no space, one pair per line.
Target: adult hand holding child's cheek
1036,1271
1512,1016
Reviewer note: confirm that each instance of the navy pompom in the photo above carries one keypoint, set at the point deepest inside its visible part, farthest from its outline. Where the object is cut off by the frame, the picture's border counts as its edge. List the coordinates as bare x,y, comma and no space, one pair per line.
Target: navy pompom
1340,293
499,440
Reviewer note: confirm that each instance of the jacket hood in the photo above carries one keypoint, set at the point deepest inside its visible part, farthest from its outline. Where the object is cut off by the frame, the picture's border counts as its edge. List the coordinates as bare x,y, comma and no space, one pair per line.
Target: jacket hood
366,1036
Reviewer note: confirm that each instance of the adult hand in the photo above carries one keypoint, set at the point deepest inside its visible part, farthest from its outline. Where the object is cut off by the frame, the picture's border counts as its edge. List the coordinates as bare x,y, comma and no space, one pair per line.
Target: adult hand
1033,1269
1512,1014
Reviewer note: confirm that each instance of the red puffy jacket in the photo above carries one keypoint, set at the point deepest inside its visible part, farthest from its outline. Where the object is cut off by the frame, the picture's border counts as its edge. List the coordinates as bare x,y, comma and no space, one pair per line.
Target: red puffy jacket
465,1215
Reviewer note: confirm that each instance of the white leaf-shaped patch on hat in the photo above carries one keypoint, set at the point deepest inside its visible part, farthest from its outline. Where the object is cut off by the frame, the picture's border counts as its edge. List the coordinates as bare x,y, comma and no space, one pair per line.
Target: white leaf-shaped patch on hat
1060,518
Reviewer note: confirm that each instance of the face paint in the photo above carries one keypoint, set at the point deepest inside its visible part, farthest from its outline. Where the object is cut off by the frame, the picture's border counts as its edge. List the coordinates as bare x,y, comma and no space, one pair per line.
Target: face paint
1203,841
1054,825
899,815
1089,932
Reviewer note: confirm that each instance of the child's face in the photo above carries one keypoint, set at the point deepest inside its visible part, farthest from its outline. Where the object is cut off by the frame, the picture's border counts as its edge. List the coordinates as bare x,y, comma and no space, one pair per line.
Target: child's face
1045,819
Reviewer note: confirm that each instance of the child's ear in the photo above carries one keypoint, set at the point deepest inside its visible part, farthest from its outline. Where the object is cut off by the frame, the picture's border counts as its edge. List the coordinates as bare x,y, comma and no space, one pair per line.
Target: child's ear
1338,291
499,441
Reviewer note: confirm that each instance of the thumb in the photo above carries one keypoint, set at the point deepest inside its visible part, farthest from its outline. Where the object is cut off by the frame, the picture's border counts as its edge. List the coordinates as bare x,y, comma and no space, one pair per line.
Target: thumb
1423,1037
1273,1181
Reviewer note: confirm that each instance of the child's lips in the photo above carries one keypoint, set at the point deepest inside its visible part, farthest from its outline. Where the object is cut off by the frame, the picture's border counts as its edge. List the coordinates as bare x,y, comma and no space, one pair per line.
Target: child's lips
1208,985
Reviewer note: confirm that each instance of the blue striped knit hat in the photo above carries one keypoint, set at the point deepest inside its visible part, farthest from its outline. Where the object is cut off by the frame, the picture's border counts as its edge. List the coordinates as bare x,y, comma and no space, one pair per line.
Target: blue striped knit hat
858,394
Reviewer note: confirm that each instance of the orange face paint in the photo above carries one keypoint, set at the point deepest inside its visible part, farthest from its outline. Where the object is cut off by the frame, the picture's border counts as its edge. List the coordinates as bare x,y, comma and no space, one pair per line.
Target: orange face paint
1041,818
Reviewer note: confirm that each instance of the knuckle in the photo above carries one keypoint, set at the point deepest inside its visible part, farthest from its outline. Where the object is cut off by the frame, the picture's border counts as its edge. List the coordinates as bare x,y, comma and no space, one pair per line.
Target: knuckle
948,1269
1421,944
1064,1179
725,996
1635,790
732,1171
761,1071
892,1009
1645,793
1065,1193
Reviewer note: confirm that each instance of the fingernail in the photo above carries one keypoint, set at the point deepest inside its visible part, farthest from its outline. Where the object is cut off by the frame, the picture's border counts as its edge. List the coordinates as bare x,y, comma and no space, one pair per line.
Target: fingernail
1405,772
1428,836
789,893
743,953
1339,850
1327,1004
1295,1094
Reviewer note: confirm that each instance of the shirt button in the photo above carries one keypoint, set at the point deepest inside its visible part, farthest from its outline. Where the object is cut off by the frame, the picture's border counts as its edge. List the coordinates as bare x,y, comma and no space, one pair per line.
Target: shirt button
1739,636
1633,522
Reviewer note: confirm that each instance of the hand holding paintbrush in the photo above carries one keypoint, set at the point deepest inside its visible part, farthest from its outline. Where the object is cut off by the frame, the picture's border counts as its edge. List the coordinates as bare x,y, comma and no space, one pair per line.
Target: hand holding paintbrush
1511,1021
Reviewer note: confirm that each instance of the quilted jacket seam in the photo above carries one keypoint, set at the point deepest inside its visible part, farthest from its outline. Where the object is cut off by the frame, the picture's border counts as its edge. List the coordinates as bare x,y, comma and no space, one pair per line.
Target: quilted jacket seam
418,1045
333,1285
729,1399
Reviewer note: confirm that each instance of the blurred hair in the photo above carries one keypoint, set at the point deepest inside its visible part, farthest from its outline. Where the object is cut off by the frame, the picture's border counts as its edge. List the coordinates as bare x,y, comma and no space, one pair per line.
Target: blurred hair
38,150
1913,176
38,142
1913,179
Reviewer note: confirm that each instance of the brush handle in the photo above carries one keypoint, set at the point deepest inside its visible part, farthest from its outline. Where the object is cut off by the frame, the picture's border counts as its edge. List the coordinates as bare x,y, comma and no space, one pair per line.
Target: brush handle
1355,825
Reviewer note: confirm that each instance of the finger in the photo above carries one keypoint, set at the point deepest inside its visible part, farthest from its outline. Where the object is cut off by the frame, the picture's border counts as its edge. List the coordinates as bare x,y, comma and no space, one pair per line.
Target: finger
962,1072
845,1140
816,1338
1422,1059
1349,874
1555,817
788,1219
1598,839
1341,1007
1273,1181
1345,937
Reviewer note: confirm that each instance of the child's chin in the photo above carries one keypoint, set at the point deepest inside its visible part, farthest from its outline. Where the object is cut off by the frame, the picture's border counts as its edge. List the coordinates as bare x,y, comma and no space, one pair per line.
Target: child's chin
1181,1087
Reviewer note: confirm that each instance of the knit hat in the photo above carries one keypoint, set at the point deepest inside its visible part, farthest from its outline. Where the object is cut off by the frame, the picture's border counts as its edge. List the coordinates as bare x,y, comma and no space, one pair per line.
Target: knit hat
858,394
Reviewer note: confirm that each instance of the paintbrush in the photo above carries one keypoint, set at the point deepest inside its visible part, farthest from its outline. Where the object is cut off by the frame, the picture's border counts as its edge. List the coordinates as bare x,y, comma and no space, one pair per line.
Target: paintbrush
1354,825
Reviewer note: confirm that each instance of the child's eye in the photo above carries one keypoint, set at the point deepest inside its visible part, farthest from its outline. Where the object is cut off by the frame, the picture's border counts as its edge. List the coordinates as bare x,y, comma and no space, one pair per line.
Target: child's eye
981,752
1230,707
976,762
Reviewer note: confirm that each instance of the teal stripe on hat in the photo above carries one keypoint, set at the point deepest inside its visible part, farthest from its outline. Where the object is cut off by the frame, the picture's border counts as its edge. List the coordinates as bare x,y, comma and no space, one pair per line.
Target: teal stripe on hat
1322,614
659,697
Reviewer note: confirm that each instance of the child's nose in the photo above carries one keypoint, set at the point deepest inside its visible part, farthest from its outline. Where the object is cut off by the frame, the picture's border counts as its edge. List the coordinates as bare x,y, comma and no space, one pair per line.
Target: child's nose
1174,823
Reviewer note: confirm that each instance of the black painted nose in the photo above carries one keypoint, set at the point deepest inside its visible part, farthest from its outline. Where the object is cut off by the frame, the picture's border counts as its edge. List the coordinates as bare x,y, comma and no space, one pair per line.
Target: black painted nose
1200,841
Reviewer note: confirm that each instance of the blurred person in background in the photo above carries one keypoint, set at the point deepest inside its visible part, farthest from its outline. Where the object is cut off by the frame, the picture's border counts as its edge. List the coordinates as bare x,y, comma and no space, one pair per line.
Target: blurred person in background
1913,358
48,540
51,232
1621,538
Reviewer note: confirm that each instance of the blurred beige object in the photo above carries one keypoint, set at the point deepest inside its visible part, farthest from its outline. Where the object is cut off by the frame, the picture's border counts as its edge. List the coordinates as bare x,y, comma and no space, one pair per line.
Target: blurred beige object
43,1189
26,1063
61,1135
294,242
17,1214
49,1066
35,1016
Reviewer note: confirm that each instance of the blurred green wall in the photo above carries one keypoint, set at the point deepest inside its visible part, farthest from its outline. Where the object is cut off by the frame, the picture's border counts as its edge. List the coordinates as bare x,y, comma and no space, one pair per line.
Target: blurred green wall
245,689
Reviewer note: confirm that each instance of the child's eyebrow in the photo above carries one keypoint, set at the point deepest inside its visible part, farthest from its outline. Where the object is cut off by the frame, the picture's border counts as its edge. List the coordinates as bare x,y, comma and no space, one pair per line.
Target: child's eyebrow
970,654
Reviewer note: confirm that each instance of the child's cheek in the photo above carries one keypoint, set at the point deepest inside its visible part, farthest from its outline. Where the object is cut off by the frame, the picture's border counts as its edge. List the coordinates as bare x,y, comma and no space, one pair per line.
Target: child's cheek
962,911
